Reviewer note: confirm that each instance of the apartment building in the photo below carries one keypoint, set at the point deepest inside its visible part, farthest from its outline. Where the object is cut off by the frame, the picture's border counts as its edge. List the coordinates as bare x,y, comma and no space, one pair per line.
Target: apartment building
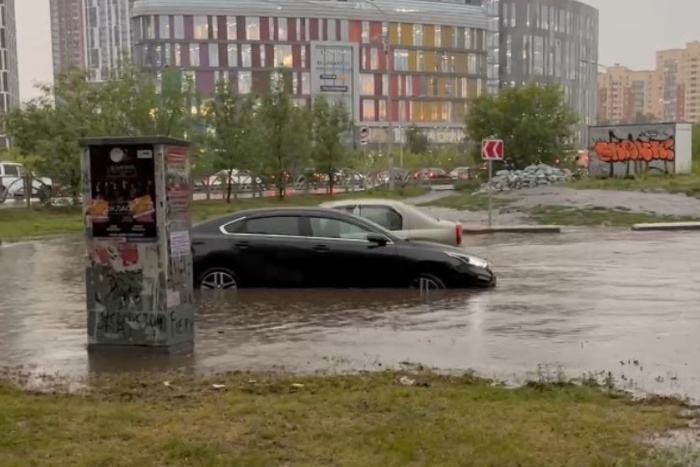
90,34
624,95
670,92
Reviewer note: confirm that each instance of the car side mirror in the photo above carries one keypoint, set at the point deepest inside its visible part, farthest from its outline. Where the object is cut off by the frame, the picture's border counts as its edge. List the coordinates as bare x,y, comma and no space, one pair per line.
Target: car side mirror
377,239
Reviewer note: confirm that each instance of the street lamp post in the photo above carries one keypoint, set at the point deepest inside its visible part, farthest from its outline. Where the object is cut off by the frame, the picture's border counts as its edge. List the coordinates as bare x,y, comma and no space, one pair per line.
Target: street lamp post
388,58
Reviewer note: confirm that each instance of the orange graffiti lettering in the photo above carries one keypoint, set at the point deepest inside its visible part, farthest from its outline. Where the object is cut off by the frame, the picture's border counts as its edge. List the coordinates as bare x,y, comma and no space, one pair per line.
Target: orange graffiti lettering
627,150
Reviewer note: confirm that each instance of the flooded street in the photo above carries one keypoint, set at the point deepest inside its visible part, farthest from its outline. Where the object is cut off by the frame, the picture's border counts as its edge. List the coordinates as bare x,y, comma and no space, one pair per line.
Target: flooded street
586,301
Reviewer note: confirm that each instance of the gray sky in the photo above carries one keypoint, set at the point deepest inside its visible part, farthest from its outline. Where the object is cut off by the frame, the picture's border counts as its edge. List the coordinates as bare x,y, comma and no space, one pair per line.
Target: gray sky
630,32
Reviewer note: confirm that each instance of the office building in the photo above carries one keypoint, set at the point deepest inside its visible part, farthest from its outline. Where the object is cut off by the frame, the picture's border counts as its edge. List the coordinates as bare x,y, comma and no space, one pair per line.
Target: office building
437,50
9,78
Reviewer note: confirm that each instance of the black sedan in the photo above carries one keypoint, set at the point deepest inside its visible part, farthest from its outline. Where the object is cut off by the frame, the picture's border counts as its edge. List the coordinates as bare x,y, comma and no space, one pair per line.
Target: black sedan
317,247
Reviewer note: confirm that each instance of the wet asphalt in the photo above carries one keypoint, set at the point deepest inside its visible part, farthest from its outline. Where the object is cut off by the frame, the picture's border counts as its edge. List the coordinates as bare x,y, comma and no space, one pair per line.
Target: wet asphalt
580,303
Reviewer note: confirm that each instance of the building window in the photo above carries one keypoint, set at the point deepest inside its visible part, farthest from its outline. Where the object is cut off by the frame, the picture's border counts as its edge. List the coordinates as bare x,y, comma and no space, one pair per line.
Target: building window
368,110
245,82
365,32
252,27
366,84
179,26
282,30
303,56
438,36
201,27
417,34
246,55
231,28
178,55
420,60
283,56
374,59
232,55
305,83
164,27
214,55
194,55
400,59
263,55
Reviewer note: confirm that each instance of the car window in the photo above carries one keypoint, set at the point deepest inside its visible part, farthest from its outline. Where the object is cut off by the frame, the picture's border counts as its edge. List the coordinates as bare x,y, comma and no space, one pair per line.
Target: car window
12,169
349,208
335,228
277,225
384,216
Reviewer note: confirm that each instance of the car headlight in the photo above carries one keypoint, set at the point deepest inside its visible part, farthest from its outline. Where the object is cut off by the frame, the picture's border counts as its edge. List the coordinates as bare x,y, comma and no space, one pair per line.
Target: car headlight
470,259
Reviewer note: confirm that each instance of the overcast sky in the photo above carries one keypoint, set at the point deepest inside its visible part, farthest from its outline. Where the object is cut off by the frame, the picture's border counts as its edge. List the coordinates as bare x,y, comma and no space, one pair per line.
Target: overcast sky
630,32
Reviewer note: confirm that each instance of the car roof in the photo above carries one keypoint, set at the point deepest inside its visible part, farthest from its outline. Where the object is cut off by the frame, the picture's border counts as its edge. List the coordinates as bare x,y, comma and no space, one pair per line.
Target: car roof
345,202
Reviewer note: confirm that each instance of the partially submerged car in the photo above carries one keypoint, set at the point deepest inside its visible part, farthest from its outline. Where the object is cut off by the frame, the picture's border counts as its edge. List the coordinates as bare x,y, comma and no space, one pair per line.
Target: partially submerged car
403,220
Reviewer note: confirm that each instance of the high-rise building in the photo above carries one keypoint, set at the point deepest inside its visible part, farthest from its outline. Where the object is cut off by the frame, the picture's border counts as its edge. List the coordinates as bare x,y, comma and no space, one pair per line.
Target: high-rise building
9,78
67,34
668,93
90,34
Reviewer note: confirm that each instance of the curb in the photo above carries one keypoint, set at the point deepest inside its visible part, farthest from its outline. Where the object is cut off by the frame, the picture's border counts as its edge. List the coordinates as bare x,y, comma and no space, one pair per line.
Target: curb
476,230
666,226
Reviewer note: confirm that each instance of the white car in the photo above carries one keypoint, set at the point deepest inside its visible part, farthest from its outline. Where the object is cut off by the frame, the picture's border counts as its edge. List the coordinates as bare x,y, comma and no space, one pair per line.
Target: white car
404,220
12,183
241,178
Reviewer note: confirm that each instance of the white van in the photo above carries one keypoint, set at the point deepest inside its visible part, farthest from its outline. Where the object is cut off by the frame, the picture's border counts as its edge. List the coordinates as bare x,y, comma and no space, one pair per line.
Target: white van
11,184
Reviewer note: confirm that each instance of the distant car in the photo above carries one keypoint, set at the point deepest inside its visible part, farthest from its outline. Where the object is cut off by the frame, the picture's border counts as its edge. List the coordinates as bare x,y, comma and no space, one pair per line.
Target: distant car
318,247
462,173
403,220
432,174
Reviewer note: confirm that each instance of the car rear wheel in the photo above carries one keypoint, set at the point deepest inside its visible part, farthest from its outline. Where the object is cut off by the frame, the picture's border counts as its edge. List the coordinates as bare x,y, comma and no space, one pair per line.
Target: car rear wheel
427,281
218,279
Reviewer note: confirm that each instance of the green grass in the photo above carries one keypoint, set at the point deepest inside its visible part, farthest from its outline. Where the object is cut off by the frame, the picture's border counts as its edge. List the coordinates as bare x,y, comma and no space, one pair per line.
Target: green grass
470,202
18,223
681,184
359,420
595,216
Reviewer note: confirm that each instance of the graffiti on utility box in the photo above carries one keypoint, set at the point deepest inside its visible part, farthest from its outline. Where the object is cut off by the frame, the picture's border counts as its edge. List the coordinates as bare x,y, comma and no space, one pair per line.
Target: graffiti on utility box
624,150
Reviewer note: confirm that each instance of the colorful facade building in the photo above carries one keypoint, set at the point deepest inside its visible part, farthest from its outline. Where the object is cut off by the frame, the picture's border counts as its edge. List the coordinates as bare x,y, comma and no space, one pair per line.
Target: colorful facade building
430,57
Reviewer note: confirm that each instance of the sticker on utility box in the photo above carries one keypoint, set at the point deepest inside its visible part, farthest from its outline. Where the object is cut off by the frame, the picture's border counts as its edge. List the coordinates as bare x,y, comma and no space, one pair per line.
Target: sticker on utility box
180,243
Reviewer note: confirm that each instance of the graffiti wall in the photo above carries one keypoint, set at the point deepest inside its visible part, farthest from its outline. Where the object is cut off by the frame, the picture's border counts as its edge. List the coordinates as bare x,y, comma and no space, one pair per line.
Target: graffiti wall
625,150
139,287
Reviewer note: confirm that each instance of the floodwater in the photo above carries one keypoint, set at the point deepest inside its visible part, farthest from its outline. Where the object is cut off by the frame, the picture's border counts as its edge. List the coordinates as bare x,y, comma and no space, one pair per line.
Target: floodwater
579,302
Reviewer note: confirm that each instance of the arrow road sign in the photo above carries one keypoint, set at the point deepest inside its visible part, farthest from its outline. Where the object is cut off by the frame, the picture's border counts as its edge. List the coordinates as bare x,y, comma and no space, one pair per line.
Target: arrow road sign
492,150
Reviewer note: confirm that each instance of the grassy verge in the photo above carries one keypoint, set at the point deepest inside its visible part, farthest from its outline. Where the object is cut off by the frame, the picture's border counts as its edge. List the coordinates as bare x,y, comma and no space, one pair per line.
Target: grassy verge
681,184
596,216
363,420
470,202
17,223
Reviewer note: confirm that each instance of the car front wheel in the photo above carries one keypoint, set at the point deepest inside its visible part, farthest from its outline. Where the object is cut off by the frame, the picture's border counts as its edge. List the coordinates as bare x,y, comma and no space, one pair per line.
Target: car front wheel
427,281
218,279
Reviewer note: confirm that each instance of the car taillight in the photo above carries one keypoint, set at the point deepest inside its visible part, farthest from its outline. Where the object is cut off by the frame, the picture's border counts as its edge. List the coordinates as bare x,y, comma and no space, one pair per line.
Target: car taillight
458,234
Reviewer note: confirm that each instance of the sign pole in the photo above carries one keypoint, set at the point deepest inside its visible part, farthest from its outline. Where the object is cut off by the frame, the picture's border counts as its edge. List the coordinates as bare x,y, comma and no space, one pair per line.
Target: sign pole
490,194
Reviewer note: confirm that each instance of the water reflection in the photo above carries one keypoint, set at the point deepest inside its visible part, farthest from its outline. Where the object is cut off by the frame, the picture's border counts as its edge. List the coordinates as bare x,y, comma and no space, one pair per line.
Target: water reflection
583,300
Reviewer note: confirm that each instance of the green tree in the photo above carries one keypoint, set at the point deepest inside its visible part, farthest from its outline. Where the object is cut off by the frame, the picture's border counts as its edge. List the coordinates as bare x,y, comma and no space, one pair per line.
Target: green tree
232,138
417,141
286,134
330,122
51,126
533,121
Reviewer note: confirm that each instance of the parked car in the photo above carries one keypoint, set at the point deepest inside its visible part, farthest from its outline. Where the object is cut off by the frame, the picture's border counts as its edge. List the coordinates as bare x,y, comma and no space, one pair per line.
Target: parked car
463,173
318,247
403,220
433,175
12,184
220,180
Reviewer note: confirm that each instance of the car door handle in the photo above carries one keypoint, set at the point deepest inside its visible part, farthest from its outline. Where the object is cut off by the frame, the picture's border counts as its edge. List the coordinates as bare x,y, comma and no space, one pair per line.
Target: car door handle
320,248
243,245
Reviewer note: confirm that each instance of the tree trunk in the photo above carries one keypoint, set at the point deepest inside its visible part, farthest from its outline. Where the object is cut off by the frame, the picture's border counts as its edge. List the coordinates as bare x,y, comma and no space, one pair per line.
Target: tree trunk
28,191
229,187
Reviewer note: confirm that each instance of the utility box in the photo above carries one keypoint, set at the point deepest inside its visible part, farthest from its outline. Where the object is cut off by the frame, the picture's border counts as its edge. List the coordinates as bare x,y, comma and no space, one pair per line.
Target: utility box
138,273
626,150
